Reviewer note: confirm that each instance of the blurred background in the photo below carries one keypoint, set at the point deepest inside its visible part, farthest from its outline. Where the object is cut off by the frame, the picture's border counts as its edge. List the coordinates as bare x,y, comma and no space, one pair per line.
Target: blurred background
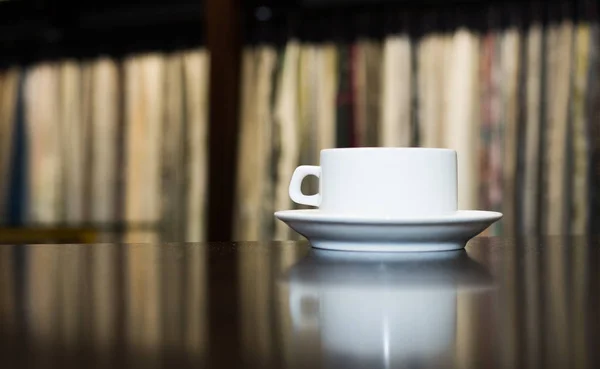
183,120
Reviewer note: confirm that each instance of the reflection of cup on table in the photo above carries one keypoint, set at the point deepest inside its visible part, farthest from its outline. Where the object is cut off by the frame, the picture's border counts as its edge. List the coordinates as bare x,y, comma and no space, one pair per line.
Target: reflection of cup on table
381,308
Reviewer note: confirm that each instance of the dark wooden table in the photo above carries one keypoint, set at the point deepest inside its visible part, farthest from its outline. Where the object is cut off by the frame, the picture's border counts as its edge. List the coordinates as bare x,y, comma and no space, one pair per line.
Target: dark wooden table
531,303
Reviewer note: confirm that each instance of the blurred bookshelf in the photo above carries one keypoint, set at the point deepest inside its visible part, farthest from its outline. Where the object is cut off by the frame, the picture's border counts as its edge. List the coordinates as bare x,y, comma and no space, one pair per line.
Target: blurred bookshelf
512,86
190,78
112,79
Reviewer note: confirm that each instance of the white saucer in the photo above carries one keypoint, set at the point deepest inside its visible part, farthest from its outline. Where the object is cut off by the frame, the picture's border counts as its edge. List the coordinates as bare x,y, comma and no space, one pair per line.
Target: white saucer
356,233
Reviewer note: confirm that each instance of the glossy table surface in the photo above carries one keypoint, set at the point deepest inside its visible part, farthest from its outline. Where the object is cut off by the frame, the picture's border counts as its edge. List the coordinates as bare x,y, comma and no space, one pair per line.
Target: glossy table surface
531,303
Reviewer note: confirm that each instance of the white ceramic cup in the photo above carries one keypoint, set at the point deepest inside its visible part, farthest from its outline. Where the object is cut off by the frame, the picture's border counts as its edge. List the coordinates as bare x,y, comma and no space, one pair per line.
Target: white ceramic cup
388,182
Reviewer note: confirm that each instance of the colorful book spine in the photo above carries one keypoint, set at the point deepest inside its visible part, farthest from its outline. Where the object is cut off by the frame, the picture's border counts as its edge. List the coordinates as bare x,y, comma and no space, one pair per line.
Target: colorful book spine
510,59
593,130
196,64
396,90
530,205
559,46
286,126
579,177
344,98
9,89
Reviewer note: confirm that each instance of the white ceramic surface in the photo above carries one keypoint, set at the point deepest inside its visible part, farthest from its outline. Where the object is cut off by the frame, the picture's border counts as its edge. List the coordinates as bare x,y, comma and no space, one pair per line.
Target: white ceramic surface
384,182
399,307
388,234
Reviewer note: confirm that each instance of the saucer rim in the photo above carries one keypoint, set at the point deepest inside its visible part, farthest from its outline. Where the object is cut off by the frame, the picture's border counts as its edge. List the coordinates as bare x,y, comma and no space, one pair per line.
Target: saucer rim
316,215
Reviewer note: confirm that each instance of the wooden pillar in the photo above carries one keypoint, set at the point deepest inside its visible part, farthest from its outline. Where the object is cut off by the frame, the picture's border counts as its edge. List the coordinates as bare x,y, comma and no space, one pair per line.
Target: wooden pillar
223,26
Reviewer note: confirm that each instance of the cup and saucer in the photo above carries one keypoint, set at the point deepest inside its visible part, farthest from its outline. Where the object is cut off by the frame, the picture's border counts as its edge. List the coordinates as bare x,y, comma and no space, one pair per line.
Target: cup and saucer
384,200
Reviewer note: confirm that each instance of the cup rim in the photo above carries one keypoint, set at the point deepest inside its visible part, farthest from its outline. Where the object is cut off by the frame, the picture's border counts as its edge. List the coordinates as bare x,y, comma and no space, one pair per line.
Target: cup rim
388,149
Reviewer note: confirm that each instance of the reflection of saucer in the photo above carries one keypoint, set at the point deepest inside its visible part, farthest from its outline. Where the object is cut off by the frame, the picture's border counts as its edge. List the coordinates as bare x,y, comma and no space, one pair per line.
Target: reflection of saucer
448,269
362,233
395,307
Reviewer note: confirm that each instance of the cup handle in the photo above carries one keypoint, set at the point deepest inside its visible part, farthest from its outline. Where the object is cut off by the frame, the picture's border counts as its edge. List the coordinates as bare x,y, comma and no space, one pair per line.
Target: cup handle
296,185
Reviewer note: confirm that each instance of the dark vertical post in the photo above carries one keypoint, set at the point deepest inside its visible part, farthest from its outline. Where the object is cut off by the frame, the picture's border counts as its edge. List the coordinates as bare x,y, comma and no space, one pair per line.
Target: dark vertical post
222,23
